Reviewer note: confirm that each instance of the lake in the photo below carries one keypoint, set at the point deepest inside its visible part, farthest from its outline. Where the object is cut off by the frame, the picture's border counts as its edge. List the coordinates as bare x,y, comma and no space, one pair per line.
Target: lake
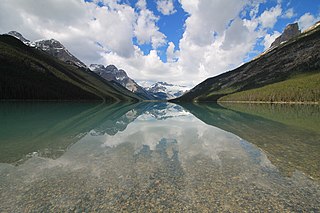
159,157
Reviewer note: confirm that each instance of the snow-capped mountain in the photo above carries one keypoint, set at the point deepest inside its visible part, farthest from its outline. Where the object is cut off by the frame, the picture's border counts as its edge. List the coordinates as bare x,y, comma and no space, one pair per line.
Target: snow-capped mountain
19,36
52,47
112,73
56,49
166,91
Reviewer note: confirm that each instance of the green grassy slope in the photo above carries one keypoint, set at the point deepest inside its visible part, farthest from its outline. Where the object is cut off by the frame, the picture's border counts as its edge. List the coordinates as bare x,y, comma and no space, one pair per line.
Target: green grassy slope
30,74
302,88
297,56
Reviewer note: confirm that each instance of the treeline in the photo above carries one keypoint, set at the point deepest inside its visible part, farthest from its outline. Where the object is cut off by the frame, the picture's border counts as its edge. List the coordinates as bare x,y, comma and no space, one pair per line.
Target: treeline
22,81
28,73
303,88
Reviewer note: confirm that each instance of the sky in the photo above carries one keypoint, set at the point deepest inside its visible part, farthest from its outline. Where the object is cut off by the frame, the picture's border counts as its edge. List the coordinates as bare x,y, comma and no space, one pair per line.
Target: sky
177,41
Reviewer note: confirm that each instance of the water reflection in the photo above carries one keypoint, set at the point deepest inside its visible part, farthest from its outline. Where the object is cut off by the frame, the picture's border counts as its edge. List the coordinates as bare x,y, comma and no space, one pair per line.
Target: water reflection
155,157
288,134
48,129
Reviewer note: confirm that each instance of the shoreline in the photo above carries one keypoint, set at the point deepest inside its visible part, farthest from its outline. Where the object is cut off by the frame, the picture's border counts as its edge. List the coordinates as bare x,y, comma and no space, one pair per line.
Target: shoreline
273,102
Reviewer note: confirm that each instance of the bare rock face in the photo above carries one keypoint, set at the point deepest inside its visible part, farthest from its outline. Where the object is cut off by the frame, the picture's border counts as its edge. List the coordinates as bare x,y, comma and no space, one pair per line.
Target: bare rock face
56,49
292,30
19,36
112,73
52,47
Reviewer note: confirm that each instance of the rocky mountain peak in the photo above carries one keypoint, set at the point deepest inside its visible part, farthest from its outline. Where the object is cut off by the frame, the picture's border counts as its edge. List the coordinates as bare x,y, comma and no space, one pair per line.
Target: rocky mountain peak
164,83
52,47
96,66
111,68
291,30
112,73
18,36
56,49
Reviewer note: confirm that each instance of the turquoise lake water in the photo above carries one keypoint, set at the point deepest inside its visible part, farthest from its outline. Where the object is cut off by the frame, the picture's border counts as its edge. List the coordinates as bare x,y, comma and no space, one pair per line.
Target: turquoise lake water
159,157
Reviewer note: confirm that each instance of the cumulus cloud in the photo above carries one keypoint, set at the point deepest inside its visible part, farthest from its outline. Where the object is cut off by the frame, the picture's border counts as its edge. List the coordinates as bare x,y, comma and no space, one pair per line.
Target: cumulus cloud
172,55
218,34
289,13
269,17
307,20
166,7
215,42
79,25
141,4
146,30
269,39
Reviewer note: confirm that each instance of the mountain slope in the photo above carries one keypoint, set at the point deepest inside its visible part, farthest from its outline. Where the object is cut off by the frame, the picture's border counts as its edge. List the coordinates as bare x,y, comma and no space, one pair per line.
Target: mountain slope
112,73
28,73
296,56
56,49
305,88
19,36
52,47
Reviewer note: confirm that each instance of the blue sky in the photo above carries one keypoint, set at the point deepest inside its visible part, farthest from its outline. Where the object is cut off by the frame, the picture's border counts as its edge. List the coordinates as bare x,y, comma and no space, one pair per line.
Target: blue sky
178,41
173,25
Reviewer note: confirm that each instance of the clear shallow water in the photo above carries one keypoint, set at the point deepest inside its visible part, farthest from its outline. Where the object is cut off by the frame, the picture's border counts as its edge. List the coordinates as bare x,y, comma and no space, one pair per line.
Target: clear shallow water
159,157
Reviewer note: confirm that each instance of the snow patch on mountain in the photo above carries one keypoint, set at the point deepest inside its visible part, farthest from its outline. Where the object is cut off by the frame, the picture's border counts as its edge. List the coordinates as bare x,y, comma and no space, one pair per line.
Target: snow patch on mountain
166,91
52,47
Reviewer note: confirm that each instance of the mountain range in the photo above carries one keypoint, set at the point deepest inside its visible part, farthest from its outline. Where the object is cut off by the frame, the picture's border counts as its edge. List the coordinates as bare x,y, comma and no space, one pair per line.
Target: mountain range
52,47
166,91
158,91
112,73
287,71
30,73
116,77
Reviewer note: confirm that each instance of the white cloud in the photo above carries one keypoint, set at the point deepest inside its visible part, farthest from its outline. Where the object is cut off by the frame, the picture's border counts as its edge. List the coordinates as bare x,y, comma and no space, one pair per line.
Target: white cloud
147,31
78,26
289,13
269,39
214,42
144,67
307,20
207,19
269,17
172,55
166,7
218,34
141,4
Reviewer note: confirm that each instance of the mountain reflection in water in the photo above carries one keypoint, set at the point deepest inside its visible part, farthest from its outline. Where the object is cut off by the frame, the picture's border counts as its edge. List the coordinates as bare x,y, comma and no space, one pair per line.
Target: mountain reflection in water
157,157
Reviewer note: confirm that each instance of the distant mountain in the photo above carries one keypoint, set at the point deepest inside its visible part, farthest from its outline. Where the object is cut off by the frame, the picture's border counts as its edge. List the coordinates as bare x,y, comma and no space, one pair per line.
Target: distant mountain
56,49
28,73
291,31
19,36
52,47
112,73
298,56
166,91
